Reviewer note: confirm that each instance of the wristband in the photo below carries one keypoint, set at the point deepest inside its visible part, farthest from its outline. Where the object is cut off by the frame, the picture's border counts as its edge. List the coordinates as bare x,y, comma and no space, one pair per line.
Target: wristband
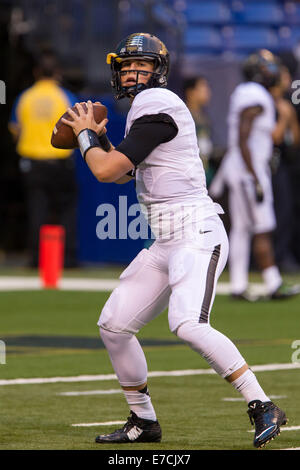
104,142
87,139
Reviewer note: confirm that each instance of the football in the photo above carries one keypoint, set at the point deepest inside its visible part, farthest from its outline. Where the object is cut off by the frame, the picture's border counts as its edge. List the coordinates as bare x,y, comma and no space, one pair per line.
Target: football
63,136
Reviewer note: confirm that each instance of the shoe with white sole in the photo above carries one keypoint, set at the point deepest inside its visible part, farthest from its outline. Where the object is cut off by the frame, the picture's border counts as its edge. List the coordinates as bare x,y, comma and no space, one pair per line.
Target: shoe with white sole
135,430
267,418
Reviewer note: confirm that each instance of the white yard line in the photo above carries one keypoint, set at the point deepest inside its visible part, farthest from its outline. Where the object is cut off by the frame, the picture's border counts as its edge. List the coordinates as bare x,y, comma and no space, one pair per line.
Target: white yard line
172,373
16,283
107,423
273,397
290,428
49,380
291,448
12,283
91,392
284,428
110,423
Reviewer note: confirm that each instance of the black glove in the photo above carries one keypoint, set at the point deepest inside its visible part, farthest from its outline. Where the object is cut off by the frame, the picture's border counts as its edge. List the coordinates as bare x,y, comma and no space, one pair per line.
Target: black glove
259,194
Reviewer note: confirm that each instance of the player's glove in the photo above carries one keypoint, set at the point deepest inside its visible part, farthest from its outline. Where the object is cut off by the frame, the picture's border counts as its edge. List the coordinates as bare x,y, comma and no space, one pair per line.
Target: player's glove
259,194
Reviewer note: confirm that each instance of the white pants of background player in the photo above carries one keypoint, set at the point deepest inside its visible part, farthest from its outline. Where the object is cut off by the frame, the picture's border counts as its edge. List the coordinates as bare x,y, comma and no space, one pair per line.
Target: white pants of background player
181,275
248,217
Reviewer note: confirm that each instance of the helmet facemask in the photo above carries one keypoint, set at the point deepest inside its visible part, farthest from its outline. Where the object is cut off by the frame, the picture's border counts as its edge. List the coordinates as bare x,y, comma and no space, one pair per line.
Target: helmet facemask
155,80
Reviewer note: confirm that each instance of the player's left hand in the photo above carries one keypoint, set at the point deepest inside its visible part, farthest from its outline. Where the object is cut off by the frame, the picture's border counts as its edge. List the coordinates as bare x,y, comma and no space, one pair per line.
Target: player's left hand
85,120
259,193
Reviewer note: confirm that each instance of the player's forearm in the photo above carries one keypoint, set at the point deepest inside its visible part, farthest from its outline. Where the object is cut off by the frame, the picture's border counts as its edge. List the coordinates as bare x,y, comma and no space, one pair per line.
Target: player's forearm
106,164
246,155
96,159
107,168
124,179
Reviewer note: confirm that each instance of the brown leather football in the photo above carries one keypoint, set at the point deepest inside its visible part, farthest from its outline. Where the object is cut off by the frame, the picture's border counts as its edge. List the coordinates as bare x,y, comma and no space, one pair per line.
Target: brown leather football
63,136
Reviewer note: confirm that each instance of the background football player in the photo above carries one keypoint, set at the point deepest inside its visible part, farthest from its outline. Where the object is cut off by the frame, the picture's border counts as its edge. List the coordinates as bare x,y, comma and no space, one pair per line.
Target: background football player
181,268
246,170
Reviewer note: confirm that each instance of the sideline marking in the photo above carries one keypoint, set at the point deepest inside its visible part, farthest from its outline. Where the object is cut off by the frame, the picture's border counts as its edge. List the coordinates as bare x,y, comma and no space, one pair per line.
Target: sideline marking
172,373
107,423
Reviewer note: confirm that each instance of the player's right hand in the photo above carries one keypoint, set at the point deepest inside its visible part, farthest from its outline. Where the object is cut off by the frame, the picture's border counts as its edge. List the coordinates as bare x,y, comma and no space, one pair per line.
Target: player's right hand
84,120
259,194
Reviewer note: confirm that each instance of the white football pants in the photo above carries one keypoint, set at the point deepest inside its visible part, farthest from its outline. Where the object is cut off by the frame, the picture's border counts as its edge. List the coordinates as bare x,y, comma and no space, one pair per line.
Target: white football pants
181,275
247,217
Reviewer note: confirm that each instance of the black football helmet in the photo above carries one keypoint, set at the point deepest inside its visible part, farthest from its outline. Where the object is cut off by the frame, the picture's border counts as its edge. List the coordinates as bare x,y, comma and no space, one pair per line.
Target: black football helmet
262,67
142,46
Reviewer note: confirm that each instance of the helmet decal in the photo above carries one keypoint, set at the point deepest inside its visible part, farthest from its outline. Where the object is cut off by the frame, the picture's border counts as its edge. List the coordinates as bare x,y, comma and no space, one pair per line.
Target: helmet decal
134,43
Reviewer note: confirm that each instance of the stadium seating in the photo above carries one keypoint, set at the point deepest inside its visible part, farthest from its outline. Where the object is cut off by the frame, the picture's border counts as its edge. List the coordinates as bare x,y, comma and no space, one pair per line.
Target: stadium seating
204,37
213,12
288,36
249,37
292,13
239,26
255,12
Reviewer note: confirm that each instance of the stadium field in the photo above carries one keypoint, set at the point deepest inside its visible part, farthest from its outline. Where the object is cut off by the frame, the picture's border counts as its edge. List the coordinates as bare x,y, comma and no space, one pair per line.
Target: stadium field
52,335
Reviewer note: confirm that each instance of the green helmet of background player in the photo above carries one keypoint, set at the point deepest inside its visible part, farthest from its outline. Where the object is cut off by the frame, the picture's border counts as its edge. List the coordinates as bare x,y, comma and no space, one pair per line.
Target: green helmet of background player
142,46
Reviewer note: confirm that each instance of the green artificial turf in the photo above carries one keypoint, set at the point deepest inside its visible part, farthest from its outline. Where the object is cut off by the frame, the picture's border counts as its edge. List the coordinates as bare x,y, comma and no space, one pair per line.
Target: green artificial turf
54,333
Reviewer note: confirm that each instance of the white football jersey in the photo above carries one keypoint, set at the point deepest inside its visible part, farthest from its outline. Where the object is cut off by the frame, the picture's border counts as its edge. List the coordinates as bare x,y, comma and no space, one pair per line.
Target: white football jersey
260,139
170,182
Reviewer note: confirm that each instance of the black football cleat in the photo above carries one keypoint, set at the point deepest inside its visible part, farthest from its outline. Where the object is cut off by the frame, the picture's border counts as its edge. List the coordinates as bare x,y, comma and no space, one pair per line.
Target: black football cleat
267,418
135,430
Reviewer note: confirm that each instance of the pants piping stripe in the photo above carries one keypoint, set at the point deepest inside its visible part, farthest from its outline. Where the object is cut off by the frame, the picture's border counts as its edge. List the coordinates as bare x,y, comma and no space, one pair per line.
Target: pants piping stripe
210,281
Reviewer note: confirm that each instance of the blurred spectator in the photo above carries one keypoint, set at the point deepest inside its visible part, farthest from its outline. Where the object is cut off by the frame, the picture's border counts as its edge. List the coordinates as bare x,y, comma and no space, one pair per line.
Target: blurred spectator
48,174
197,94
286,136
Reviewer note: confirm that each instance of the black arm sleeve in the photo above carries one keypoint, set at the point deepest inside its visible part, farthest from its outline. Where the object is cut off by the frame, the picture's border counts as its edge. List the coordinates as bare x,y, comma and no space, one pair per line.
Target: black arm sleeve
146,133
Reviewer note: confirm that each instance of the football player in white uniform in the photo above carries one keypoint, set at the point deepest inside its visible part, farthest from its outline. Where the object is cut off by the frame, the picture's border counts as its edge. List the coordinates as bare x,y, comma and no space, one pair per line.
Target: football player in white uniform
246,170
181,268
